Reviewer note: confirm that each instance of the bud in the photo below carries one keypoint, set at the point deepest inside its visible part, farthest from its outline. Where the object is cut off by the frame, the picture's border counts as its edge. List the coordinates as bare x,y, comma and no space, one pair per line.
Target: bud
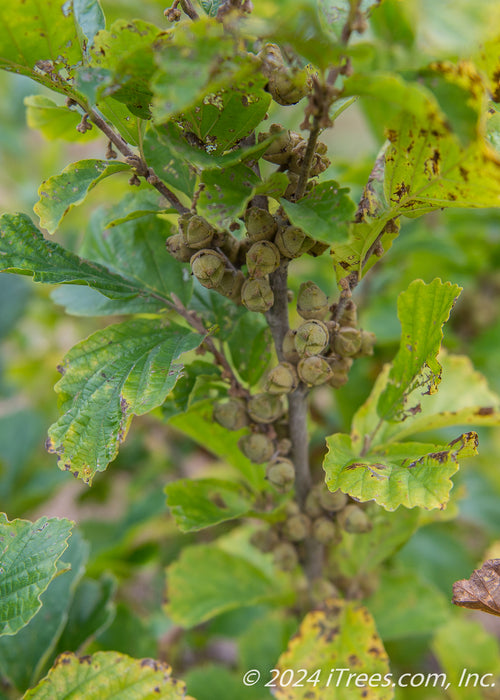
279,151
312,302
349,315
282,379
262,259
264,408
338,379
322,589
297,527
340,364
347,341
208,267
285,557
281,474
353,519
284,446
332,501
257,295
265,540
230,285
178,249
293,242
198,233
257,447
324,531
312,505
312,338
231,414
286,86
314,370
368,340
318,249
260,224
289,350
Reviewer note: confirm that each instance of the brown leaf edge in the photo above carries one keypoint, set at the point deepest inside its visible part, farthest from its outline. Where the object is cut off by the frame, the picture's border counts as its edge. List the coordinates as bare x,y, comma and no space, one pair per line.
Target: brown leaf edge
482,590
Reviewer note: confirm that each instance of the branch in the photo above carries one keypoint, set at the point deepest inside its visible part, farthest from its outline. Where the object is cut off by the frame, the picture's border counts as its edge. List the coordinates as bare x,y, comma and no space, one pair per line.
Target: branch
197,324
277,316
308,158
135,161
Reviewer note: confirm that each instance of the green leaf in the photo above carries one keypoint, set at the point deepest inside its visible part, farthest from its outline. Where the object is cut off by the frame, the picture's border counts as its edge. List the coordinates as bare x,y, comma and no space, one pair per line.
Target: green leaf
106,675
168,164
92,611
340,635
137,250
409,474
24,657
197,423
55,122
129,125
29,553
250,347
126,54
212,681
85,301
210,6
40,41
123,370
14,296
323,213
422,310
405,605
89,19
199,503
60,193
464,644
464,398
222,582
427,169
361,554
195,62
23,249
227,116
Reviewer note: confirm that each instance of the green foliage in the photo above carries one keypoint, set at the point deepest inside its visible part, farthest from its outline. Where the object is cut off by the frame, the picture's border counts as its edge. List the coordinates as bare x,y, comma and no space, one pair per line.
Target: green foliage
29,562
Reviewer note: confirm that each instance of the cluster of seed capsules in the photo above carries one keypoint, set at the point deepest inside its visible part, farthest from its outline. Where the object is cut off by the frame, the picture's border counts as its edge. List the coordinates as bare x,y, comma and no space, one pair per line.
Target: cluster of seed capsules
325,515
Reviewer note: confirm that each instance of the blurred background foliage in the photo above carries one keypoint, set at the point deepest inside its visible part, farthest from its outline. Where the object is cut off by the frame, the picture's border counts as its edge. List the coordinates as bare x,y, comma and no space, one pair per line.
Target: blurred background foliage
123,516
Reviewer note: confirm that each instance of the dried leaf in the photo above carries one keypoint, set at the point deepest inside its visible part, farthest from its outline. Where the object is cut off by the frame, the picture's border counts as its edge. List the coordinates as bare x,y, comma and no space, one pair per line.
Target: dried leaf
482,590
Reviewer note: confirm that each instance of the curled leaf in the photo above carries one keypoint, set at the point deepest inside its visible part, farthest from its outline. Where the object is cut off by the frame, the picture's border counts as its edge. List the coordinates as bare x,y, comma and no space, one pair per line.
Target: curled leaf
482,590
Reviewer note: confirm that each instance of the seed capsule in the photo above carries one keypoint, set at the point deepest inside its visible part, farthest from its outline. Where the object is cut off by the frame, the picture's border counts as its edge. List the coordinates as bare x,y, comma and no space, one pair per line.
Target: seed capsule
349,315
318,249
353,519
297,528
312,302
208,267
368,340
293,242
262,258
178,249
347,341
289,350
322,589
260,224
257,447
198,233
286,86
324,531
257,295
282,379
338,379
332,501
281,474
265,408
285,557
284,446
231,414
314,370
312,338
266,540
230,285
312,505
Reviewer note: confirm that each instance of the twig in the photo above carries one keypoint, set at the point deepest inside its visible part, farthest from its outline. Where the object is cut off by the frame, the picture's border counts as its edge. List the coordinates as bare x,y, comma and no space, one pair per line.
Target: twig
277,316
197,324
189,9
308,158
134,160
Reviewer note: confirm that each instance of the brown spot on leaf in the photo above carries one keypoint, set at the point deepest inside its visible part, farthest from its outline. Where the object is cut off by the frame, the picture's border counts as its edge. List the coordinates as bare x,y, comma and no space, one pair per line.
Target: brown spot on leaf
485,411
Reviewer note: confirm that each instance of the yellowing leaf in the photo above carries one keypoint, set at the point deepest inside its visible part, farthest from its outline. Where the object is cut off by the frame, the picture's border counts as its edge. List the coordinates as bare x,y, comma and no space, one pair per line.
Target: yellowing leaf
341,635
